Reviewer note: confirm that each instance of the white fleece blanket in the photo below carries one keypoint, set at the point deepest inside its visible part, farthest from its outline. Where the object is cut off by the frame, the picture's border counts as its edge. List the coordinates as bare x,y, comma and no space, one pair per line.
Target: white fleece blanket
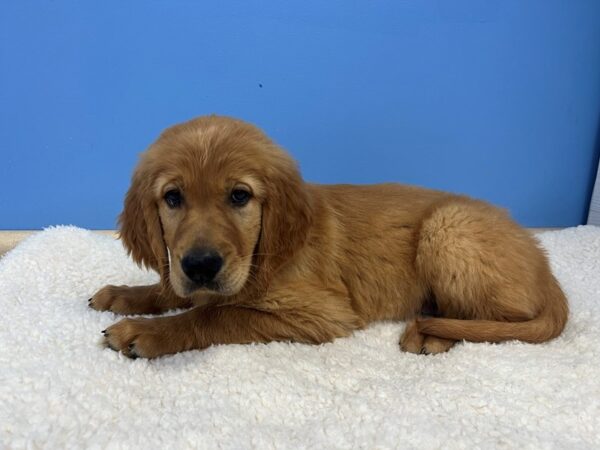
60,389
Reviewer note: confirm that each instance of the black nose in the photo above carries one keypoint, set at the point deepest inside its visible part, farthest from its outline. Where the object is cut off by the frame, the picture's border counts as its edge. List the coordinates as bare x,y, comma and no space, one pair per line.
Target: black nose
202,265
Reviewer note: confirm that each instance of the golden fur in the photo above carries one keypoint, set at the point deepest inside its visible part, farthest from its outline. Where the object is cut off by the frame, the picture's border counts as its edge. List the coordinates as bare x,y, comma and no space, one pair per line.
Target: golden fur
310,263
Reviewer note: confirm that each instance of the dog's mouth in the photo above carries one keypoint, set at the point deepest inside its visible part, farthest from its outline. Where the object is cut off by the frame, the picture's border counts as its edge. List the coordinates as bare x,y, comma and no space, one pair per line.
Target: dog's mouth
223,286
217,287
211,287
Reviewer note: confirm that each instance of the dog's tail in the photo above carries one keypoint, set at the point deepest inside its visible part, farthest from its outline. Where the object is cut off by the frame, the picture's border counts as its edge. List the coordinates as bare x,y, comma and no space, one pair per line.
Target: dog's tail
547,325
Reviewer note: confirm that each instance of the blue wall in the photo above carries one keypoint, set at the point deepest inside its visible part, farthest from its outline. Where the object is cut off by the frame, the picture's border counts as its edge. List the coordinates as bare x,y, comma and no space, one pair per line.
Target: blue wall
499,100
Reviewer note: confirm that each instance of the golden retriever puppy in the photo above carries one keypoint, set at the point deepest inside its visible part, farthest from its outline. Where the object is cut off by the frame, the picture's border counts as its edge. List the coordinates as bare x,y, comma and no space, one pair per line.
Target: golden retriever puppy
258,255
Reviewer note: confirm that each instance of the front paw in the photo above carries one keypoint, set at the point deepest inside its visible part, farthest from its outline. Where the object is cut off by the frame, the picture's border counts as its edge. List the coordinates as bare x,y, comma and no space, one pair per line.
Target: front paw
134,338
147,338
111,298
128,300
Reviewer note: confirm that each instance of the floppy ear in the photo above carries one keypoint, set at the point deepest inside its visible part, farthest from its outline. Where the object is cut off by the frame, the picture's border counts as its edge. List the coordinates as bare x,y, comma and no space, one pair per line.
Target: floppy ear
286,218
140,227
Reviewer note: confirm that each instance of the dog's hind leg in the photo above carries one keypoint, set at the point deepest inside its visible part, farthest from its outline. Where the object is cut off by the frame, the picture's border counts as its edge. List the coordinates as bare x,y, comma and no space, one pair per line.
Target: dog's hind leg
490,279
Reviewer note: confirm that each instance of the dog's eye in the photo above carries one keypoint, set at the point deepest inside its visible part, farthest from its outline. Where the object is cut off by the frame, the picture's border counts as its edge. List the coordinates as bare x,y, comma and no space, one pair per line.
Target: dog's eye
173,198
239,197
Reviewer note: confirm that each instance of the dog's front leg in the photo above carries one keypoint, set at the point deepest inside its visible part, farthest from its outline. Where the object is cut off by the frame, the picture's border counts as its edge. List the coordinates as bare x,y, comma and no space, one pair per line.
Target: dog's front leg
130,300
204,326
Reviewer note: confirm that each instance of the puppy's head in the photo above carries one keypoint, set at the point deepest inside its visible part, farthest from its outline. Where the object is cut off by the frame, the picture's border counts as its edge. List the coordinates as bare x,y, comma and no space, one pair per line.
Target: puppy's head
215,207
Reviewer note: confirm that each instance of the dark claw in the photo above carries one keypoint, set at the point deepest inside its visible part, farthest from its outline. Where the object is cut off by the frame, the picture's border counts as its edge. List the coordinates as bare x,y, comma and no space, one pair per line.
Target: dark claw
104,332
90,299
423,351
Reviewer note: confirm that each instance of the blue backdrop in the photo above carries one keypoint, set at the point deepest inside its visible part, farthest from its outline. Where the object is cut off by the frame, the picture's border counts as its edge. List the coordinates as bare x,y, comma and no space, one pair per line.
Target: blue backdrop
499,100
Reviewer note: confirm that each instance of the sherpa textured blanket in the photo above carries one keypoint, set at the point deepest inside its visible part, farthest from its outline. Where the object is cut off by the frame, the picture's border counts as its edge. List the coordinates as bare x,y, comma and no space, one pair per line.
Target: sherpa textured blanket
60,389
